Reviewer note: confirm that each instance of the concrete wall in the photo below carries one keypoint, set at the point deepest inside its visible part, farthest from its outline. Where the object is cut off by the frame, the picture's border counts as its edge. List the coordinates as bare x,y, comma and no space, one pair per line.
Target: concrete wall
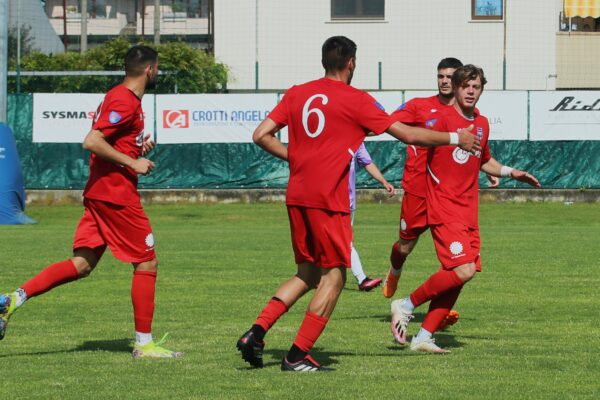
285,37
200,196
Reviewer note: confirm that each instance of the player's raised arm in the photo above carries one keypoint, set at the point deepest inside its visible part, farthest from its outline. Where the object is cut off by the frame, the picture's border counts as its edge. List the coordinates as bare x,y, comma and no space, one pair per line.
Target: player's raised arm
494,168
264,137
97,144
426,137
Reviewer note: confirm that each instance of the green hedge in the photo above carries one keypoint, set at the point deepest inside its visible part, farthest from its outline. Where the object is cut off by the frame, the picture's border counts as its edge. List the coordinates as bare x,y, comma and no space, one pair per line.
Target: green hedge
188,70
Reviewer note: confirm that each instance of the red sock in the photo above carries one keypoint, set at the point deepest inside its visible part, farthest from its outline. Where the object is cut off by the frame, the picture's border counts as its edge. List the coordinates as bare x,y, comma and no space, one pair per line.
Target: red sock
439,308
310,330
274,309
438,283
396,258
50,277
142,297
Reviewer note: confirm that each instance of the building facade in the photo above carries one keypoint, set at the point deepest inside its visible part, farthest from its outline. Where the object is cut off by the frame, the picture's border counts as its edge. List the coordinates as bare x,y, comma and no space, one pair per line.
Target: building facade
521,45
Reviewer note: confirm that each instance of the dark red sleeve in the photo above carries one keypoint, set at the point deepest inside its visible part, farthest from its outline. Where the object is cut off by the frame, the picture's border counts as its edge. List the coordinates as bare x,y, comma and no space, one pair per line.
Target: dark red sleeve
279,114
406,113
371,115
115,115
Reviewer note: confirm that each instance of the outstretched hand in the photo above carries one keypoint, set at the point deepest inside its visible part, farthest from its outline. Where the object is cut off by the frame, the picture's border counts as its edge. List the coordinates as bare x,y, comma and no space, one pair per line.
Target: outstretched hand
526,177
147,145
467,141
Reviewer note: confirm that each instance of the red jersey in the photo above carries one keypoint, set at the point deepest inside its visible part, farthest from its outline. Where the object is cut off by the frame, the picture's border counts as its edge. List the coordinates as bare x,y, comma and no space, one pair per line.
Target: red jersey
453,174
327,121
121,120
422,112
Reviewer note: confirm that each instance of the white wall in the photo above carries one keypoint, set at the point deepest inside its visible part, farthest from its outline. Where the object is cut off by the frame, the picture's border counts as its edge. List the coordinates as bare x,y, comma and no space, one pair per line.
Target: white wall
409,43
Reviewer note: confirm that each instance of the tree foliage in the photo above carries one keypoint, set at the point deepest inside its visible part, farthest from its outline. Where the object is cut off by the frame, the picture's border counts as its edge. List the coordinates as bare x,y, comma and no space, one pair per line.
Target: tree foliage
26,41
184,70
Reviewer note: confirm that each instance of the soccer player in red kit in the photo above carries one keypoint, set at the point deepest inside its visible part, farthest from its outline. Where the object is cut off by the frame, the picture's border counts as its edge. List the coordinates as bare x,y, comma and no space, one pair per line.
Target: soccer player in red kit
328,120
423,112
452,212
113,215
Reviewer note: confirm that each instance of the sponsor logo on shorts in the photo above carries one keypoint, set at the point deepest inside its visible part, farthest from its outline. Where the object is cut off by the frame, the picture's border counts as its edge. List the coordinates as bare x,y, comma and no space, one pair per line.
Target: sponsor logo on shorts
460,156
176,119
403,224
114,117
433,110
150,240
456,248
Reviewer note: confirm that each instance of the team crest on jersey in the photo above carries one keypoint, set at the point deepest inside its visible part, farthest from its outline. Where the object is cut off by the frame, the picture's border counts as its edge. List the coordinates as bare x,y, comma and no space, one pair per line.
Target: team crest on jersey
114,117
479,132
378,105
460,156
402,107
430,123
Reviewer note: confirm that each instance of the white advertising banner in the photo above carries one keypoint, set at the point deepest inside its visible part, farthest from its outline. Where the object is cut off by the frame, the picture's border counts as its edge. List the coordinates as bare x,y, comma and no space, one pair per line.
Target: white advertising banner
568,115
211,118
67,117
507,113
505,110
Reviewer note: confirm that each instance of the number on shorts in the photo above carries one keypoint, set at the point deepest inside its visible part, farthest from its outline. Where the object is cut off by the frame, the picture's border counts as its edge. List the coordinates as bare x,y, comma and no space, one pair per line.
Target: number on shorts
306,111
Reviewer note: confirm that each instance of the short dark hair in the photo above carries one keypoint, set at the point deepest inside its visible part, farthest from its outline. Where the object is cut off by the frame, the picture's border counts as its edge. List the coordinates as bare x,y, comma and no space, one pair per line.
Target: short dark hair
450,62
336,52
467,73
137,58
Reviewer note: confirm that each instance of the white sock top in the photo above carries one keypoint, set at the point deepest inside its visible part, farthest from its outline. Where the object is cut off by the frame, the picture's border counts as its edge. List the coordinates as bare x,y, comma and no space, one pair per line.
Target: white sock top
142,339
423,334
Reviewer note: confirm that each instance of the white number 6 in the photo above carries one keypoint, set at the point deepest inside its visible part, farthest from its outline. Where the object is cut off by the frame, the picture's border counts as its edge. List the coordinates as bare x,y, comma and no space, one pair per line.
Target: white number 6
306,113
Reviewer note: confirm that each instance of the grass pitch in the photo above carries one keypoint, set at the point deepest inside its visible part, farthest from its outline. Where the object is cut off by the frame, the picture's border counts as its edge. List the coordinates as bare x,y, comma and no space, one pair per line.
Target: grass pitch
529,325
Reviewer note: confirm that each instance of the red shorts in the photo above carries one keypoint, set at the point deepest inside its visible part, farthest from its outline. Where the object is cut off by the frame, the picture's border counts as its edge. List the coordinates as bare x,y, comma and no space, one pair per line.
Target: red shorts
413,216
456,244
124,229
321,237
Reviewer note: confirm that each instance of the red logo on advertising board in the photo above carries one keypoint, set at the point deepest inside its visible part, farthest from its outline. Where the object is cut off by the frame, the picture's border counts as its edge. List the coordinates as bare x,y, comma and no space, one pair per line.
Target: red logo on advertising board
176,119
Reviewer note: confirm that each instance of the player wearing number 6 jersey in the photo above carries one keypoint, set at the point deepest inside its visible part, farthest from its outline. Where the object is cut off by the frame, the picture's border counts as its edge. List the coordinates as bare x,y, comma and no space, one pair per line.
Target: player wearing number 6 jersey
328,120
113,216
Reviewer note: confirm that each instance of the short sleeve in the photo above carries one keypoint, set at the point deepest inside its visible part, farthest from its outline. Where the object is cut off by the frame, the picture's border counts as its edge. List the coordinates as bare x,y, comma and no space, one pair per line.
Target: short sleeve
280,114
372,116
363,158
114,115
406,113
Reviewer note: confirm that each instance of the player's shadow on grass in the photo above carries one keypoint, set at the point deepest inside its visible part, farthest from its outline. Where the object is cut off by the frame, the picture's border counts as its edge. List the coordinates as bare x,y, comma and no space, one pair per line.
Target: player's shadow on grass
327,358
116,345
